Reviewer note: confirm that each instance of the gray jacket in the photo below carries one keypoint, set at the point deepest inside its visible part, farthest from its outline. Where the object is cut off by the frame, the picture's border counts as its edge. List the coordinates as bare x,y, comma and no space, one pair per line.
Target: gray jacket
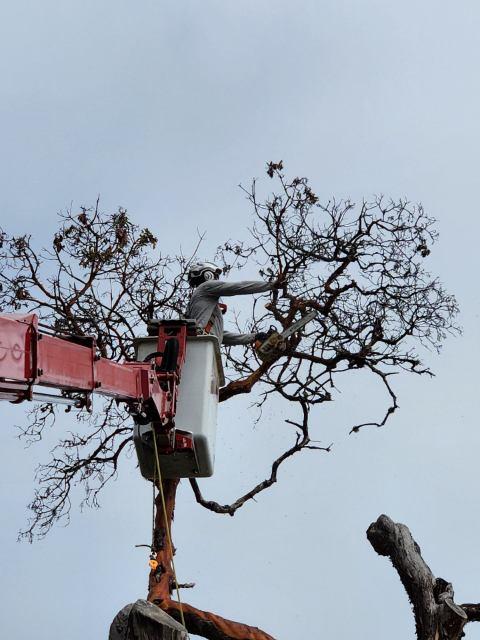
203,306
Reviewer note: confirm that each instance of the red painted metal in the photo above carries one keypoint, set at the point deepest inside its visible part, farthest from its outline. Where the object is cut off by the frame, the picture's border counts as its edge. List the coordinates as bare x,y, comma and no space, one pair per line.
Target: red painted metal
15,346
30,358
180,442
171,330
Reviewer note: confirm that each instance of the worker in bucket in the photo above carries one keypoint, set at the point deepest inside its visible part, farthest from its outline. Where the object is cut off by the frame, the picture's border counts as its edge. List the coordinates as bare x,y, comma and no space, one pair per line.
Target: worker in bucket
205,306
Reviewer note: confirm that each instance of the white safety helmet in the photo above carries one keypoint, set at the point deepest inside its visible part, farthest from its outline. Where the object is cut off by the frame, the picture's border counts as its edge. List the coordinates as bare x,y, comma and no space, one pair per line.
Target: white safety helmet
202,272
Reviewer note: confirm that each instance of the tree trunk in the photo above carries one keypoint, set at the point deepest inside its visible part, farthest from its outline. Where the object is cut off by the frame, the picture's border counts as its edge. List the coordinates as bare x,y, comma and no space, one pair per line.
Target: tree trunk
162,585
161,581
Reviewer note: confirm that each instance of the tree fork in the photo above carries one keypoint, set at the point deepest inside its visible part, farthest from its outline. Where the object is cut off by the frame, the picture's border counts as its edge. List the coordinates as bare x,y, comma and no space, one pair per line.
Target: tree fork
162,583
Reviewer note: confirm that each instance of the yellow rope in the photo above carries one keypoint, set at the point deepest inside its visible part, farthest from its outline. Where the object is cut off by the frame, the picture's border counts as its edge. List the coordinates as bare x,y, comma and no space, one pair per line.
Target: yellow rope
167,523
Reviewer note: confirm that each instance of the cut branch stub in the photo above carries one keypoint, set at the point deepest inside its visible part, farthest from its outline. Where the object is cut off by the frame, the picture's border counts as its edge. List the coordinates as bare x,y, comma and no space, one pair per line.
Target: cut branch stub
437,617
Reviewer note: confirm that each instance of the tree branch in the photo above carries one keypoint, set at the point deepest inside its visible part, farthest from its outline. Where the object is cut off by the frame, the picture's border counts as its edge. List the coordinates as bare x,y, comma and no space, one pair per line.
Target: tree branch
302,442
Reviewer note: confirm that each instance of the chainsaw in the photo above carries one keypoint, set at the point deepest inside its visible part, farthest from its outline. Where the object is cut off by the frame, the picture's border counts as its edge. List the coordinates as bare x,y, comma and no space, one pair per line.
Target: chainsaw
269,343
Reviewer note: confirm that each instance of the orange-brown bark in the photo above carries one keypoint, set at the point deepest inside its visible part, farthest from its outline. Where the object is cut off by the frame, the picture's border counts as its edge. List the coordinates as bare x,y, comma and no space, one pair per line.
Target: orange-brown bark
209,625
162,584
244,385
161,581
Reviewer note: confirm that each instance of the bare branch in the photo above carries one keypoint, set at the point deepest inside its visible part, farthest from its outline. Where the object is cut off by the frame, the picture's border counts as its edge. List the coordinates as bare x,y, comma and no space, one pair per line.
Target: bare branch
302,442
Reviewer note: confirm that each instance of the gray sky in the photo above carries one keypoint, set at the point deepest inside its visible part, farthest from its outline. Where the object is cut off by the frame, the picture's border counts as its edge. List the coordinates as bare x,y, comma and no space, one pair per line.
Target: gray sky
164,107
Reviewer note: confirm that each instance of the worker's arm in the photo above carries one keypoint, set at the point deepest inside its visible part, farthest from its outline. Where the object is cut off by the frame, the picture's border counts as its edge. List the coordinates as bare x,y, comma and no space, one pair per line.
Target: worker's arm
220,288
230,338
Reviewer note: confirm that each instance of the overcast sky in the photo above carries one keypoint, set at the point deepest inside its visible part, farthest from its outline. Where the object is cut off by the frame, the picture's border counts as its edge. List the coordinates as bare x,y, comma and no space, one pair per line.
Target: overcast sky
164,107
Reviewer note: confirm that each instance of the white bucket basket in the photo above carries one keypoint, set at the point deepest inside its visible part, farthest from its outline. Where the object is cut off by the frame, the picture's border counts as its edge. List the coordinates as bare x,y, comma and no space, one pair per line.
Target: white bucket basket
197,403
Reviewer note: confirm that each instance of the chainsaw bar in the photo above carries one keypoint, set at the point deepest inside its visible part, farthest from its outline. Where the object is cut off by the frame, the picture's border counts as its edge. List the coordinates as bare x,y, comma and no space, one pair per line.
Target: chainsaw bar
299,324
276,342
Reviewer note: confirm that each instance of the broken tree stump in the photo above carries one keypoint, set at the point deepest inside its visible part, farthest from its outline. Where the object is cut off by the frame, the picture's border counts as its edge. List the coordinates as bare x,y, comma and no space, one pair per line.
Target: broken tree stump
437,616
143,620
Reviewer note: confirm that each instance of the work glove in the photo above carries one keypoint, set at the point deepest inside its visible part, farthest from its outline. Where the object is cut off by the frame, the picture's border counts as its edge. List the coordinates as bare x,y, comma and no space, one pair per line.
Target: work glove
264,335
261,336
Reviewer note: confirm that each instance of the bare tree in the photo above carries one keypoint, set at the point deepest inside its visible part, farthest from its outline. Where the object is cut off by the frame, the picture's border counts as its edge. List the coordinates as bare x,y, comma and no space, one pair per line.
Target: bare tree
360,267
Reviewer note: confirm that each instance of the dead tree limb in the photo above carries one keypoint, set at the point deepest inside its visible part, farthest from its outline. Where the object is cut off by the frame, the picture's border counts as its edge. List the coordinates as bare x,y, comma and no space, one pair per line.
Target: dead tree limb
437,616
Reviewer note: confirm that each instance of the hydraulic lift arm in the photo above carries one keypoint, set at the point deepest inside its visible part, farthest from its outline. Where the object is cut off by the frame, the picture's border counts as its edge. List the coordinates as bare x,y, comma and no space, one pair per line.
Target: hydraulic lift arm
30,358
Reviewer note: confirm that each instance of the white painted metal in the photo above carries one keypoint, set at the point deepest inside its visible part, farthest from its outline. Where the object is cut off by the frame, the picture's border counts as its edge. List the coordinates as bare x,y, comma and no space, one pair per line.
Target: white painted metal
202,376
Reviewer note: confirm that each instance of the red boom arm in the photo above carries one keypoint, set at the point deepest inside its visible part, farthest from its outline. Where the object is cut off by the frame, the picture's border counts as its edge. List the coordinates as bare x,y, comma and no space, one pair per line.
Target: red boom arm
30,358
